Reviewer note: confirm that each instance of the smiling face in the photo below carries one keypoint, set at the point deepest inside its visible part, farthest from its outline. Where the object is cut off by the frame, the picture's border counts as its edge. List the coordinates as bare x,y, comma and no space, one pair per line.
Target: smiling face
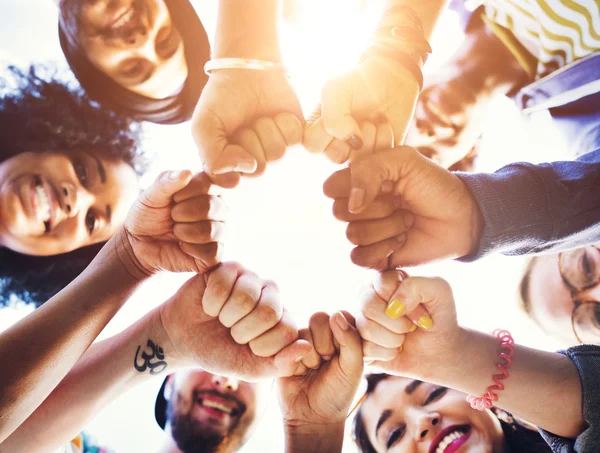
208,410
552,296
132,41
55,202
407,416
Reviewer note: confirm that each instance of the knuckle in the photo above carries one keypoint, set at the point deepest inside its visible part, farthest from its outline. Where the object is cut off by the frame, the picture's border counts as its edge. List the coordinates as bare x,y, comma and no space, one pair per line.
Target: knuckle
245,303
268,314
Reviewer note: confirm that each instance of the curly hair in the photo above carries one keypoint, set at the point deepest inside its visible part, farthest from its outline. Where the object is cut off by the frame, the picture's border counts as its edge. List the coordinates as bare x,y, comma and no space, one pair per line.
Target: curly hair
42,109
520,436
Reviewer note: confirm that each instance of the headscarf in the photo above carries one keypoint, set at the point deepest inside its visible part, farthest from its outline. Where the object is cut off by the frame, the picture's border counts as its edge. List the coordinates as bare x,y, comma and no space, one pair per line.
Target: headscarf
171,110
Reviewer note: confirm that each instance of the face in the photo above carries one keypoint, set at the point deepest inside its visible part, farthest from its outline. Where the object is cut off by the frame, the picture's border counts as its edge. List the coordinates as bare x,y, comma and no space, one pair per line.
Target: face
406,416
553,295
56,202
207,410
133,41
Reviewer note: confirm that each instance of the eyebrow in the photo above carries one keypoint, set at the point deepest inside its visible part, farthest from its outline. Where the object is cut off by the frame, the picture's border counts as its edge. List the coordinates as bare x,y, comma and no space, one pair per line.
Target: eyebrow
410,388
384,416
101,169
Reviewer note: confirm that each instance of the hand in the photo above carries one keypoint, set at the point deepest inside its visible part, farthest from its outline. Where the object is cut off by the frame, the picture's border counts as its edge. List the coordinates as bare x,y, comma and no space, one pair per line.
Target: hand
419,352
235,99
324,393
436,215
231,322
175,225
377,88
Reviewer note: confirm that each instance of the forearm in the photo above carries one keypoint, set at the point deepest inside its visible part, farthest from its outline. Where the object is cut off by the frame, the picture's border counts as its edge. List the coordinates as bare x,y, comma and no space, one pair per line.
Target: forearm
429,11
39,351
107,370
309,439
530,208
543,388
248,29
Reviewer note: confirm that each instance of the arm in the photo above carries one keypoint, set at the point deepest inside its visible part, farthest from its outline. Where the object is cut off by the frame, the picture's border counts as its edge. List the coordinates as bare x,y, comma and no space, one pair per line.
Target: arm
530,208
39,351
308,439
543,388
179,333
247,29
105,371
160,228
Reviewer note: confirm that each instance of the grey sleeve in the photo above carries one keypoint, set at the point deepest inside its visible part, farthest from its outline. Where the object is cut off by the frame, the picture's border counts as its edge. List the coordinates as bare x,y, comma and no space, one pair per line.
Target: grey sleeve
587,360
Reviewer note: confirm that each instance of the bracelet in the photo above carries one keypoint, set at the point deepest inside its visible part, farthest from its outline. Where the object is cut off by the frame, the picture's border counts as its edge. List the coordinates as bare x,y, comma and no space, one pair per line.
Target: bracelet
507,345
404,59
242,63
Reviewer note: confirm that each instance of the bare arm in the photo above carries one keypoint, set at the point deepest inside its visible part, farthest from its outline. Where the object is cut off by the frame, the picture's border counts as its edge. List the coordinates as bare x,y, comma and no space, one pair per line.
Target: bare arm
308,439
248,29
39,351
106,370
543,388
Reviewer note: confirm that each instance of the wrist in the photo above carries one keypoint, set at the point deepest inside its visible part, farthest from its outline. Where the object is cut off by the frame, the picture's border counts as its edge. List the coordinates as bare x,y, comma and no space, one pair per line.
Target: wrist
120,245
311,437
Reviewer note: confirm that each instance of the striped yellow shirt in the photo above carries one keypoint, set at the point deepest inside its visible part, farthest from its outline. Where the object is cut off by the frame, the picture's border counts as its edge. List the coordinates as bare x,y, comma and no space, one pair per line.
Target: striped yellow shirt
554,32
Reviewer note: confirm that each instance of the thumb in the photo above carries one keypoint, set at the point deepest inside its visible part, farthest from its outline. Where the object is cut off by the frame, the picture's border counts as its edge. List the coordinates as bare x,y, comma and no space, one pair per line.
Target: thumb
348,338
216,152
289,358
161,192
368,174
337,114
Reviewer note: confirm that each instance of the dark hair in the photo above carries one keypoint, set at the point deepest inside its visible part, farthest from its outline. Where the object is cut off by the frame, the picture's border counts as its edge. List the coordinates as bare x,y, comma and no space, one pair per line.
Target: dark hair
520,436
40,109
173,109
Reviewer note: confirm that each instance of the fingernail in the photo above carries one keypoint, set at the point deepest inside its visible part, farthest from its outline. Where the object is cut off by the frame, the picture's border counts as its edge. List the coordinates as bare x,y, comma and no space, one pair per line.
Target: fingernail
400,348
387,186
409,219
341,321
413,328
425,322
327,358
401,238
174,175
244,167
357,198
395,309
298,359
355,142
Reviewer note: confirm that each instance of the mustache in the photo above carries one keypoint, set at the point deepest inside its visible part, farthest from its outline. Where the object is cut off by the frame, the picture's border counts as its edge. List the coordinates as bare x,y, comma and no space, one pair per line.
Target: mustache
240,406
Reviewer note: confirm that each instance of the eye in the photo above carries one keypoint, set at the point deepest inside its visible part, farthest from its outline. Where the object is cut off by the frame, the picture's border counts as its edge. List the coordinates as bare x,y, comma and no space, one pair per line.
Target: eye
395,436
81,171
588,268
435,395
91,222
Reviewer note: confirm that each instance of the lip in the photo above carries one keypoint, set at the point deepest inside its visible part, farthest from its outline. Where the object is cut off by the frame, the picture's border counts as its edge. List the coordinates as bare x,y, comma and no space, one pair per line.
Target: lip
52,199
454,445
237,408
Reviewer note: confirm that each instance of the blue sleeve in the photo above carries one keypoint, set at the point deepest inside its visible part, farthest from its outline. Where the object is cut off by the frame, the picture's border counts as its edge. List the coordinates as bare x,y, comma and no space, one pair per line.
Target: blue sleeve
529,209
587,360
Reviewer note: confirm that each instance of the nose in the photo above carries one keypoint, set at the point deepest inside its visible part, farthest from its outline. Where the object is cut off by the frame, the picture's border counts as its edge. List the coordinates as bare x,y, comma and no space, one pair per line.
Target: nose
137,36
75,199
225,384
427,426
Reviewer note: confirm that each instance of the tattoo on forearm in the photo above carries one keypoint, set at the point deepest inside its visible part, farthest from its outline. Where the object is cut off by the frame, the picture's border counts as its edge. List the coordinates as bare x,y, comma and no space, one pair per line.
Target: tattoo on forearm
154,359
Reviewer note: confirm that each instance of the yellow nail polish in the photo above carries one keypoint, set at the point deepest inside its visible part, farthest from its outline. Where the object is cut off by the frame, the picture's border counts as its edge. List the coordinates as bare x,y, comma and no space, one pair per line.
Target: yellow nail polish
425,322
413,328
395,309
400,348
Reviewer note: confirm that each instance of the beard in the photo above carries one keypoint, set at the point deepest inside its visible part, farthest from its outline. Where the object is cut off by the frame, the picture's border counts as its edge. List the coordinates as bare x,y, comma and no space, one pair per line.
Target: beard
191,437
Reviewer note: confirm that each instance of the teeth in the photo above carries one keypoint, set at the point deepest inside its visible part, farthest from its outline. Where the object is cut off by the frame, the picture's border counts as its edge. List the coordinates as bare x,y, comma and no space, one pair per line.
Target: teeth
44,203
448,440
215,405
123,19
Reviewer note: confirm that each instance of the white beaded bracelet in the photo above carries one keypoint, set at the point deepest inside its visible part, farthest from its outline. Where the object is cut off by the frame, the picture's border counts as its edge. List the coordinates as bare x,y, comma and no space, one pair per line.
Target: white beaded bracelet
241,63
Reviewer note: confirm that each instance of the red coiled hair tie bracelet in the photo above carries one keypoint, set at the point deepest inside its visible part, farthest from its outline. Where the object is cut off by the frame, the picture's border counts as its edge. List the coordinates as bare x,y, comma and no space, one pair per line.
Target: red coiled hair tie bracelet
507,350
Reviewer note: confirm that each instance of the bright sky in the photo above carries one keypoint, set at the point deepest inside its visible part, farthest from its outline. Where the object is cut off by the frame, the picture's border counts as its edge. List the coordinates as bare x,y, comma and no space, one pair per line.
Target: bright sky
281,225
